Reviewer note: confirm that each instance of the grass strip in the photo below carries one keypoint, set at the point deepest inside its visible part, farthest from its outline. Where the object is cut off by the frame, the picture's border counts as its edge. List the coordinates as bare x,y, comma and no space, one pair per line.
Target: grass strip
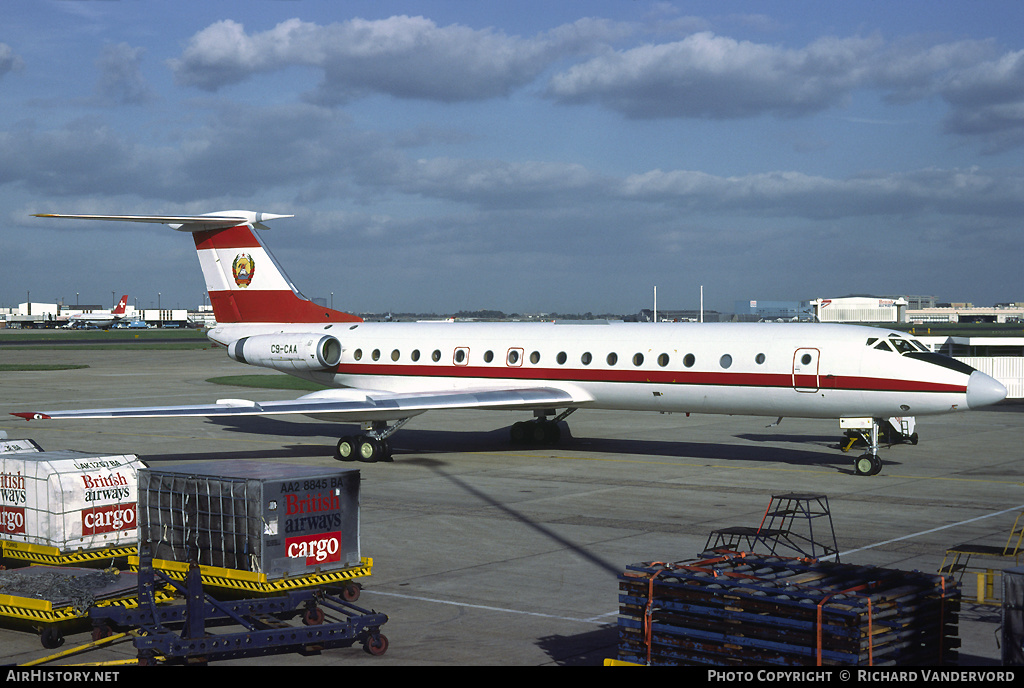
23,367
268,382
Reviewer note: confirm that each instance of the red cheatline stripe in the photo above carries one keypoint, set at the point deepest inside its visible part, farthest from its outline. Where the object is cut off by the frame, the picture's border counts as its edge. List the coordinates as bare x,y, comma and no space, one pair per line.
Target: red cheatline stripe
764,380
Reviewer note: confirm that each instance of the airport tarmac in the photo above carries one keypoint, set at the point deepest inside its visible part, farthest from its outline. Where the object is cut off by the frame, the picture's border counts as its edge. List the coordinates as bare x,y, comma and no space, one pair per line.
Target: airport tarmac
484,554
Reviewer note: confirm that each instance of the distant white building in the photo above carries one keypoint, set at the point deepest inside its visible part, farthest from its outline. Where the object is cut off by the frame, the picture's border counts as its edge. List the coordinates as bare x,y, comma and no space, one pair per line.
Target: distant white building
969,313
872,309
35,308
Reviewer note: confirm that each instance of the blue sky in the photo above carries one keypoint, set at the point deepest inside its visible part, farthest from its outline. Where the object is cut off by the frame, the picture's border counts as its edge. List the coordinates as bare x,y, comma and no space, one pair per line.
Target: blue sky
529,156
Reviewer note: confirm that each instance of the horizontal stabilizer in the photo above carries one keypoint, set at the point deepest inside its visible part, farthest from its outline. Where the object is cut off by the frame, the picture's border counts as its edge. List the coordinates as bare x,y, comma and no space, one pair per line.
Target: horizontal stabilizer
185,223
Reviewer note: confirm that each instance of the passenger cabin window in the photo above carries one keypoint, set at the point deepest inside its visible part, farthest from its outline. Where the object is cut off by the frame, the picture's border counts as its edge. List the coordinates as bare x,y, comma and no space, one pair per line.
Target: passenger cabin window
488,356
638,359
561,358
613,358
725,361
586,358
663,360
689,360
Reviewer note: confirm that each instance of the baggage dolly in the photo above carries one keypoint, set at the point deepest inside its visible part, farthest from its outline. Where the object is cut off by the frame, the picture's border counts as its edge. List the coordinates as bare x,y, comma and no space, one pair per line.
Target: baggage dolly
50,599
182,632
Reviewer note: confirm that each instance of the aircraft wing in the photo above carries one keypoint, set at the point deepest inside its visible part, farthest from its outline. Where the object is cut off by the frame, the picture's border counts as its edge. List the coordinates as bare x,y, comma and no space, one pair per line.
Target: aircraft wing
344,404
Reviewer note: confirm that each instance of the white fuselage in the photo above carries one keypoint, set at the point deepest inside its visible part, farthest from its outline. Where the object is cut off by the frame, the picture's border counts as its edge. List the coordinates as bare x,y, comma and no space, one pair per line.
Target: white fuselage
790,369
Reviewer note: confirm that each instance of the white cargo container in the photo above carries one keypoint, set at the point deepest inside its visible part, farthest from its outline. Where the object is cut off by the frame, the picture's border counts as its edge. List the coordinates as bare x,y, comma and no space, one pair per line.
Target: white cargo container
17,446
69,500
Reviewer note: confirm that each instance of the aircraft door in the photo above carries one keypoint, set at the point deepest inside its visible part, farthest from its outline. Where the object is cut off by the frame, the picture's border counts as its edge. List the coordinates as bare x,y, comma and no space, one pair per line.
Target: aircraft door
805,370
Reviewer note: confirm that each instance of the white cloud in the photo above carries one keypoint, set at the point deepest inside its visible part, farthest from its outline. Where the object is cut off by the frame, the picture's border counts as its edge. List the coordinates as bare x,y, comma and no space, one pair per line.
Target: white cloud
793,194
987,102
406,57
705,75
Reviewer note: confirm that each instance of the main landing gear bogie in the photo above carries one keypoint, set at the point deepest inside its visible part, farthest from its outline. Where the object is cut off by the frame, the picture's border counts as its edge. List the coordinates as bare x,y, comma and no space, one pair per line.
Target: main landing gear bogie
541,430
535,432
363,448
370,446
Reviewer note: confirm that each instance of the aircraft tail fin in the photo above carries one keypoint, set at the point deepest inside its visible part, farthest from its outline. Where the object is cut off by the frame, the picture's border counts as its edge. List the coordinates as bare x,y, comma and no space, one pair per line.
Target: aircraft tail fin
244,281
121,306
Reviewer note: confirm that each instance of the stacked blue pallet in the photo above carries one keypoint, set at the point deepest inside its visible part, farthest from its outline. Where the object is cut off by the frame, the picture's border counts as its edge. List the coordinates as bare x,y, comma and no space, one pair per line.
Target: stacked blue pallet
749,609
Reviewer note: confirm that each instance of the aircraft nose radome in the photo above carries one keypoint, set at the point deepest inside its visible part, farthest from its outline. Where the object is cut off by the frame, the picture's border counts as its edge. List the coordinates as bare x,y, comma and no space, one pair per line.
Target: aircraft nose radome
983,390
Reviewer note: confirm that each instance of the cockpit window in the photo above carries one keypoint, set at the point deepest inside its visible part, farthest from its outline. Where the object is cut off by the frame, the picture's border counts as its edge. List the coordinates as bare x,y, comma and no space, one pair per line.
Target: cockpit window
897,344
902,346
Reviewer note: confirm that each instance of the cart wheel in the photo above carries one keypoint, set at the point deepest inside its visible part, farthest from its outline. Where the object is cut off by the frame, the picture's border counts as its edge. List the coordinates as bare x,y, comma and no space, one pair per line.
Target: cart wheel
377,644
51,638
313,617
101,631
350,593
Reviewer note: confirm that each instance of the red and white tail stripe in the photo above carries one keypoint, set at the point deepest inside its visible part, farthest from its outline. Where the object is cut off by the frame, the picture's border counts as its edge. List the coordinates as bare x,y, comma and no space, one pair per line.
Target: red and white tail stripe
247,285
245,282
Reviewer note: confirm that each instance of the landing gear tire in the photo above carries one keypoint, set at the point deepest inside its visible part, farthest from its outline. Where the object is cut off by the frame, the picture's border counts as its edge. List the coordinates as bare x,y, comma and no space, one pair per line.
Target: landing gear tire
552,433
537,432
347,448
867,464
372,450
363,448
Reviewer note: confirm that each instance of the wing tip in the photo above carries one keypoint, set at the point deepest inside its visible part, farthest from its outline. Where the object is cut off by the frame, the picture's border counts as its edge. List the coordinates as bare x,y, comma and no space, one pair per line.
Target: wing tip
31,415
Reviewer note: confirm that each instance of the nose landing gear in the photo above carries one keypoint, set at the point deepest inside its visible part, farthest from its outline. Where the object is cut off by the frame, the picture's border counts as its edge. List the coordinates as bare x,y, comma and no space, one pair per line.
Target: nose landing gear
867,463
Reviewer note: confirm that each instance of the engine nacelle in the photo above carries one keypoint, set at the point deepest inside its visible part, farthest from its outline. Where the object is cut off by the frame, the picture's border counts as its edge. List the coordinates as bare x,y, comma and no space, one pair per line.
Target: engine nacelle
288,352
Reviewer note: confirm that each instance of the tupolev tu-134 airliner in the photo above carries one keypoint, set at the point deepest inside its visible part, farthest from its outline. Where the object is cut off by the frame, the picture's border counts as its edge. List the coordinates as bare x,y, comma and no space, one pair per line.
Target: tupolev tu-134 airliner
383,374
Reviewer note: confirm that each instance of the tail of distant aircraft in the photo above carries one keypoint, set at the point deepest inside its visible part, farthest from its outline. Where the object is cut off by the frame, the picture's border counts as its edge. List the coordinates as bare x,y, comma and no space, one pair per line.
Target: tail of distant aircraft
121,306
245,283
